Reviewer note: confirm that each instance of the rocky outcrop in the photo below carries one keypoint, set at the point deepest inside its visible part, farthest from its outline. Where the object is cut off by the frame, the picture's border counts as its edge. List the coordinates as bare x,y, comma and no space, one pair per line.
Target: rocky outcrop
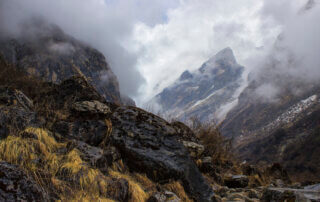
149,143
127,101
15,185
98,129
15,112
55,56
95,156
194,149
164,197
91,107
184,132
9,97
309,193
118,189
74,90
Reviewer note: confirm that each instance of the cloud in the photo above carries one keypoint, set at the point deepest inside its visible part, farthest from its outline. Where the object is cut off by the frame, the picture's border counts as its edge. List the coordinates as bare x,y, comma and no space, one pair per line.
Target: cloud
61,48
104,24
194,32
291,63
148,44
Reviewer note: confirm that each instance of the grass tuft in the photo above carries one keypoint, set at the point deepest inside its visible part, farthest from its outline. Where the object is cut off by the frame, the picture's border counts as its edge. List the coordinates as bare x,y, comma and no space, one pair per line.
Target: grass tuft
136,191
178,189
66,173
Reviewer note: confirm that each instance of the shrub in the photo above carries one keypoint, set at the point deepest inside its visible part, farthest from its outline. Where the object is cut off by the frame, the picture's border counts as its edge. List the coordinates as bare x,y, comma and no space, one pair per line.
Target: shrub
217,146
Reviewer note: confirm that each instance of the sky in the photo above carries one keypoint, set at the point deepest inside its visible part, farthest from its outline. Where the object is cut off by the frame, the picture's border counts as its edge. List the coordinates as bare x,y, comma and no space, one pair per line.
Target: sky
148,44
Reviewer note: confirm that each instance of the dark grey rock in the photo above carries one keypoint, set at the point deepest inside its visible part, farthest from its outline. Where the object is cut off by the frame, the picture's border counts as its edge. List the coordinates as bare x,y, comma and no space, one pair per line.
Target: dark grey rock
309,193
236,181
15,185
9,97
165,196
95,156
91,107
149,144
271,194
118,189
92,132
15,112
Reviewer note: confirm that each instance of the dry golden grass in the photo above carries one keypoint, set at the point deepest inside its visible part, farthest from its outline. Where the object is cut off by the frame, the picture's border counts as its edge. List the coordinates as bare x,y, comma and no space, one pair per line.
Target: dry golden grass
178,189
144,181
137,193
64,173
26,151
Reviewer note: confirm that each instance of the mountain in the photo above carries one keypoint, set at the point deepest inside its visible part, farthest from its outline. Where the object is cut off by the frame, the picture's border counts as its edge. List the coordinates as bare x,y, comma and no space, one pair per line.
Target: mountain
283,129
45,51
205,93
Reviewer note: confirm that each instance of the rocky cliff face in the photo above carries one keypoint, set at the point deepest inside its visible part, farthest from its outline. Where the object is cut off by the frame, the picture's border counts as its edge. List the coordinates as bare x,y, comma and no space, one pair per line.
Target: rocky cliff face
45,51
203,93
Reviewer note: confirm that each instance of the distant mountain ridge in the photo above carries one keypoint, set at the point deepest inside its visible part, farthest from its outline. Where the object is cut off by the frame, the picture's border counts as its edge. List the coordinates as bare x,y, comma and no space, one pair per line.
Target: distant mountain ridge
47,52
203,92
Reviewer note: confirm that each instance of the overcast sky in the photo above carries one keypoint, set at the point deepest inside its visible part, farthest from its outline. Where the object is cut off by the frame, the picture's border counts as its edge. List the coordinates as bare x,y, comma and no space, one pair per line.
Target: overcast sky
149,43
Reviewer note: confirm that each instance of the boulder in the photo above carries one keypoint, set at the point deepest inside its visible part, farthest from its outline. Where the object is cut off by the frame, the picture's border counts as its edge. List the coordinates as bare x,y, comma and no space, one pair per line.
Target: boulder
92,132
14,119
91,107
15,112
9,97
165,196
236,181
273,194
118,189
253,194
15,185
95,156
276,171
70,91
149,144
309,193
194,149
184,132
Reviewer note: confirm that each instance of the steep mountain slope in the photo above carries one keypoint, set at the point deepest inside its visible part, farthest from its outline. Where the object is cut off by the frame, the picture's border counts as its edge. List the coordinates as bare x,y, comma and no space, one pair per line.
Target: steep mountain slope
45,51
204,92
278,130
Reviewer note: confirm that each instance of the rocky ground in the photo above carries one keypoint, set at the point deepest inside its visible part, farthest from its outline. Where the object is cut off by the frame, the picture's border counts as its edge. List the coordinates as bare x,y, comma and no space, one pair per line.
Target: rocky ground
67,143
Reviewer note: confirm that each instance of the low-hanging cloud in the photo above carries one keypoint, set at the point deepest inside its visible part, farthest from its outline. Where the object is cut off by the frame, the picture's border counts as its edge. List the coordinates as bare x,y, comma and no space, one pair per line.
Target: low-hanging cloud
104,24
292,62
148,44
194,32
265,36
